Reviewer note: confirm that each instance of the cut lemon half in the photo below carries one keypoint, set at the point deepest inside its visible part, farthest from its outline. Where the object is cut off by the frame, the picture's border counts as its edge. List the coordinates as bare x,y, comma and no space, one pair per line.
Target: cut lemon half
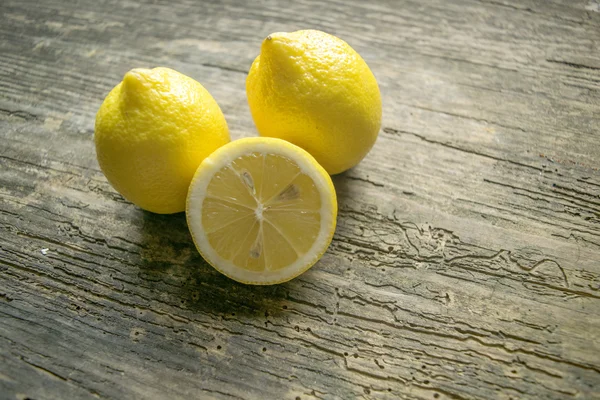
261,210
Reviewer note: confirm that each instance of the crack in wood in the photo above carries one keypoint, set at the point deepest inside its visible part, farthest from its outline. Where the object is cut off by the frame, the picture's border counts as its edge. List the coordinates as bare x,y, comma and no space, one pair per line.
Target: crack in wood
458,148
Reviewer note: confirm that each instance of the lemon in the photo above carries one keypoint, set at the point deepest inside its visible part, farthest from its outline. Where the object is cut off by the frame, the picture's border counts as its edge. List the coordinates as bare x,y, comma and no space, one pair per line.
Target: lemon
152,131
261,210
312,89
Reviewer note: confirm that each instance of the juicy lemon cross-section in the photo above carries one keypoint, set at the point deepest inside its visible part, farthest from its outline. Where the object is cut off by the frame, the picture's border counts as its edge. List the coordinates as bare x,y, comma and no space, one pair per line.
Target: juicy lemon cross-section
261,210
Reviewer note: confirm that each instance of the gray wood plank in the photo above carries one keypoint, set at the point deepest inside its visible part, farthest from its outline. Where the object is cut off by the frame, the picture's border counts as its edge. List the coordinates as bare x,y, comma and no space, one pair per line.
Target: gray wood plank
466,263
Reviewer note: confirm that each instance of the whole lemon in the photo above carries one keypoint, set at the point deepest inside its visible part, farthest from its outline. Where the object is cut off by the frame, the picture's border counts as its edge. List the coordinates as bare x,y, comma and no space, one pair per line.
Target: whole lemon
313,90
152,131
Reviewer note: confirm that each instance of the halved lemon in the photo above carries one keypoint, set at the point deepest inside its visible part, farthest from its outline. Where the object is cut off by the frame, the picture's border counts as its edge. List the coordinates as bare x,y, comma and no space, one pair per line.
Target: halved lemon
261,210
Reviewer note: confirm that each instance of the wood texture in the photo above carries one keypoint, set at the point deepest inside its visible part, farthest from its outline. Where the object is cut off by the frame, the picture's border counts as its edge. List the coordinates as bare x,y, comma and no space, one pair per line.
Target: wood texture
466,263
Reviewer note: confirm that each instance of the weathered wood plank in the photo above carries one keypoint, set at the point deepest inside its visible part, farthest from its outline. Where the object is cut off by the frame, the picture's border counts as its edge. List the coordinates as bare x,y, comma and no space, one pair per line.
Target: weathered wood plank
466,263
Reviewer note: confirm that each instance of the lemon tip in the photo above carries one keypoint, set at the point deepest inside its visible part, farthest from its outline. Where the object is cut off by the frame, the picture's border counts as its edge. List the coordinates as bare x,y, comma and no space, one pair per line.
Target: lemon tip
136,78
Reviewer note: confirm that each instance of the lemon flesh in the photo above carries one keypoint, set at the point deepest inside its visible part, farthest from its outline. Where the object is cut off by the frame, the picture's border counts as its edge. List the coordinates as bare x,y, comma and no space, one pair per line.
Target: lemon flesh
261,210
152,131
313,90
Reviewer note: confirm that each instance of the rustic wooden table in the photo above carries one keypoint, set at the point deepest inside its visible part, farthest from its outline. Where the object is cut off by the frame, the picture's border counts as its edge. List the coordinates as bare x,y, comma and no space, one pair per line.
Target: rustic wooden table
466,262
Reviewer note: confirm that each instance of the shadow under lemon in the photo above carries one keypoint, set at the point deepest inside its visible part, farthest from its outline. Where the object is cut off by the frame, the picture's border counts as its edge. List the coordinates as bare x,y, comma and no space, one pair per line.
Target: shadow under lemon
343,187
175,273
173,270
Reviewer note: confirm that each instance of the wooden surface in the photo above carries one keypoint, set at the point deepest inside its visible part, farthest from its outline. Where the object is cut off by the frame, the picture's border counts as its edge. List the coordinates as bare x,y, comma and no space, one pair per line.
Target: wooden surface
466,262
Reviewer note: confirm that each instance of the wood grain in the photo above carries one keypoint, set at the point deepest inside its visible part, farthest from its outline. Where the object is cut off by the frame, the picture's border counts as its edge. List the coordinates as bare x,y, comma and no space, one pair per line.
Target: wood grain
466,262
